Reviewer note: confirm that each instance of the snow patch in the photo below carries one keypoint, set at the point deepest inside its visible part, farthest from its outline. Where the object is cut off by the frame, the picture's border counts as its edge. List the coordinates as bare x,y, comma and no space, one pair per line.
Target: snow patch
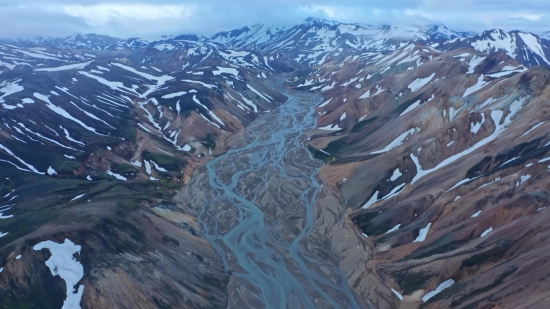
397,294
474,126
160,169
410,108
393,229
365,95
438,290
522,179
65,67
398,141
372,200
487,231
330,127
423,233
77,197
328,87
222,70
63,264
474,62
174,95
533,128
209,111
51,171
480,84
396,174
117,176
325,103
420,82
343,116
30,167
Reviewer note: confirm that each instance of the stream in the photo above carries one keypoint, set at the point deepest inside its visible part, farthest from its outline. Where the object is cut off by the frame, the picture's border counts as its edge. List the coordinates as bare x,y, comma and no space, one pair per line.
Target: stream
259,214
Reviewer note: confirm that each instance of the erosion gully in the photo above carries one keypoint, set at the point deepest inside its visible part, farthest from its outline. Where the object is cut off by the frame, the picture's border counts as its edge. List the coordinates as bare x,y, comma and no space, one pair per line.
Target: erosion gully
258,214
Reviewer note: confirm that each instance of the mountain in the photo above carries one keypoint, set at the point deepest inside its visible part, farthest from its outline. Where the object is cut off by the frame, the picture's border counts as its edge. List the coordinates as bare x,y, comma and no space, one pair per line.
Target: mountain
545,35
248,36
441,32
527,48
91,41
306,44
264,38
433,192
420,33
96,144
311,42
440,156
107,101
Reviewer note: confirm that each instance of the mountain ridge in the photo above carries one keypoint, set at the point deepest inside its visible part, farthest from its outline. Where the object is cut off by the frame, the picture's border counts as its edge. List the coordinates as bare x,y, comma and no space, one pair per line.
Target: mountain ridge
526,47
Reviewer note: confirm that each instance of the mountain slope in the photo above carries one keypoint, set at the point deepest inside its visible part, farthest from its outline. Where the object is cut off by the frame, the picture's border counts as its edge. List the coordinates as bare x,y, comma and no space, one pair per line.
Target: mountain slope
77,109
526,48
93,146
442,156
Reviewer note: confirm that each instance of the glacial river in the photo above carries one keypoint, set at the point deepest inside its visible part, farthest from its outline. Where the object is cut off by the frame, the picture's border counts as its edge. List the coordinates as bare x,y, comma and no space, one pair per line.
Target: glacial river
259,214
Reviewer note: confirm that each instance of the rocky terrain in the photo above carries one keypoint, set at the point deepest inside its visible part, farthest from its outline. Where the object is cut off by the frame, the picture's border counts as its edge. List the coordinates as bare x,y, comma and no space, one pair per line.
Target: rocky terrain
441,158
94,147
175,173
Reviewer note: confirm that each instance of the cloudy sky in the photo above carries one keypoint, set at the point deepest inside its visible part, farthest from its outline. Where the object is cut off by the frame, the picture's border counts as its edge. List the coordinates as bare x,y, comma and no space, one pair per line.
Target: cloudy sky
152,18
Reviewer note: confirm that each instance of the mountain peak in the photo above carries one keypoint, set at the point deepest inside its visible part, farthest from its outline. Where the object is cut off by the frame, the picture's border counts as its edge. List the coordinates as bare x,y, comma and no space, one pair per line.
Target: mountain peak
320,20
317,19
545,35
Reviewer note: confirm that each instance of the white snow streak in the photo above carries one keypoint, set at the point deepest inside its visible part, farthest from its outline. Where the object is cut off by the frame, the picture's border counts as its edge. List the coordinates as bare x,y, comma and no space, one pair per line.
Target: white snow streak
58,110
410,108
393,229
397,294
65,67
398,141
487,231
439,288
77,197
30,167
117,176
258,93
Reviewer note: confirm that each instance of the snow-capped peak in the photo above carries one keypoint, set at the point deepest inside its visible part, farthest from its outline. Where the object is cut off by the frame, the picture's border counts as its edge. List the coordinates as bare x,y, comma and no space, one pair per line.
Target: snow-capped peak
402,32
545,35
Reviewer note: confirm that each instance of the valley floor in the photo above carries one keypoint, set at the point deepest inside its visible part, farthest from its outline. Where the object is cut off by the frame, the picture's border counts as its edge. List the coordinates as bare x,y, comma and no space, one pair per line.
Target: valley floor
280,232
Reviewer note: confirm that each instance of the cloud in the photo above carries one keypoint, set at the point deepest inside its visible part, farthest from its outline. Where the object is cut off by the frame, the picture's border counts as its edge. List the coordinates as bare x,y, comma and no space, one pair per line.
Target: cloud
100,14
526,16
152,18
21,22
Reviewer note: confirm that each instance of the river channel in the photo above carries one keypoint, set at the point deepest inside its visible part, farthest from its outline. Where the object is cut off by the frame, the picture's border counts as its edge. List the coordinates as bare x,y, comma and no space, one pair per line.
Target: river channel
258,214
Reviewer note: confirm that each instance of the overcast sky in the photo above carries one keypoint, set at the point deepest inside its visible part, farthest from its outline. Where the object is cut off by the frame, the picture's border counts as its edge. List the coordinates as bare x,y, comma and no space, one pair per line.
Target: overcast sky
152,18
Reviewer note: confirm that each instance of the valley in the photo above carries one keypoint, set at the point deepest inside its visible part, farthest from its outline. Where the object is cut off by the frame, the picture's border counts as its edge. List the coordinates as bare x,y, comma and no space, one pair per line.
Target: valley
324,165
257,205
